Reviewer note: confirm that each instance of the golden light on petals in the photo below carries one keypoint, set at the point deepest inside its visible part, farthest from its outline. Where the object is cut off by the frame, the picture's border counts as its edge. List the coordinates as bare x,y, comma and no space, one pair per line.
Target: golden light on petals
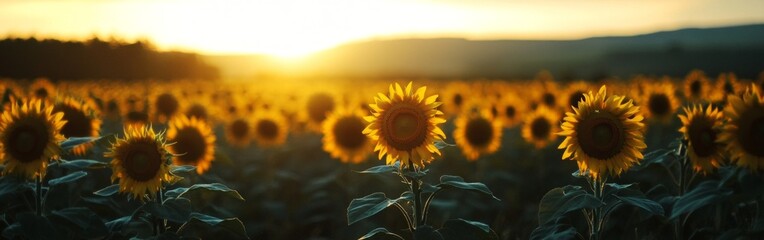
658,101
140,161
477,133
539,127
193,142
269,129
404,125
696,86
603,134
239,132
29,134
343,136
744,132
82,120
701,129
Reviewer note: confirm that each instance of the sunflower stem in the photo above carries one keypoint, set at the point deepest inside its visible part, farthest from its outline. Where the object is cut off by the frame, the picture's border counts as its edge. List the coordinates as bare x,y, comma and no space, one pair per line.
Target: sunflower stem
160,221
38,196
598,185
415,189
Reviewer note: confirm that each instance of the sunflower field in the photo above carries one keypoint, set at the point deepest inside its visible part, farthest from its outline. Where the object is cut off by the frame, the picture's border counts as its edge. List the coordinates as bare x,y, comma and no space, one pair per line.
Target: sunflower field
642,158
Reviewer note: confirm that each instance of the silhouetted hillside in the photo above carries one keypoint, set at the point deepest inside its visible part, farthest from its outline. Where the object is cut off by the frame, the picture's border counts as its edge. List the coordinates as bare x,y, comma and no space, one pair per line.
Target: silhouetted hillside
739,49
97,59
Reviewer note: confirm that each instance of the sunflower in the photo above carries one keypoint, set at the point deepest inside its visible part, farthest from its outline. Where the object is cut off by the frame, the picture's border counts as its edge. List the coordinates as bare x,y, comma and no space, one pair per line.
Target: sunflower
166,106
477,133
198,111
140,161
701,129
575,94
193,141
319,105
603,134
511,110
696,86
726,84
404,125
30,135
539,127
343,136
744,133
658,101
42,88
81,121
270,129
238,132
454,97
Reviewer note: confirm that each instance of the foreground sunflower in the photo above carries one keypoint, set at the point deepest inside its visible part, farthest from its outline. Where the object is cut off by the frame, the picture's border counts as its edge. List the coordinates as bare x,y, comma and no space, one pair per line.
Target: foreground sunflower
81,121
603,134
30,135
270,129
140,161
539,127
744,133
701,129
193,142
477,133
343,136
404,125
658,101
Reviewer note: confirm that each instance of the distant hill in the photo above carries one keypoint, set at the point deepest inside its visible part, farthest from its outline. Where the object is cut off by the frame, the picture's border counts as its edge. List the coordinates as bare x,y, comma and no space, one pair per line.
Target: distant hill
739,49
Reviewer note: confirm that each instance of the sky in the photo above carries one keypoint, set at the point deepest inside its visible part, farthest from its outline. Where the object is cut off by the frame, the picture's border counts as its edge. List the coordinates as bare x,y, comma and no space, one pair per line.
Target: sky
294,28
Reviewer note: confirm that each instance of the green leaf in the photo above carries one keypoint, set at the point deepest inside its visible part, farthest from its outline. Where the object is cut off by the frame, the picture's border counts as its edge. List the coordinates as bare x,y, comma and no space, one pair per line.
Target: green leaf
362,208
199,224
381,234
176,210
447,181
662,157
81,221
30,226
211,188
426,232
442,144
173,193
108,191
554,231
560,201
705,193
182,170
458,229
648,205
72,142
381,169
81,164
67,178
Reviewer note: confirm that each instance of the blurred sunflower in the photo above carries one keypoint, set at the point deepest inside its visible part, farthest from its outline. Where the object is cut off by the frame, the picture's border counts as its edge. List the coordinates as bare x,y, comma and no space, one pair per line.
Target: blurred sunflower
548,94
540,126
42,88
343,136
165,106
238,132
455,95
30,135
575,94
140,161
510,110
726,84
744,133
658,101
319,105
701,129
603,134
404,125
696,86
477,133
82,120
270,129
193,142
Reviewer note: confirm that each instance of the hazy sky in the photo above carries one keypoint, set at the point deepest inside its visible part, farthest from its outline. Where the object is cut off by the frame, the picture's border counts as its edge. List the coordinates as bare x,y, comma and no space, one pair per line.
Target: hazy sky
294,28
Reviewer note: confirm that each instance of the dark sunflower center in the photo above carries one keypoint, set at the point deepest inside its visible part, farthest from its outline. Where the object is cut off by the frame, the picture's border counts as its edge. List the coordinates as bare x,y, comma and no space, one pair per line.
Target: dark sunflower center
232,109
695,87
751,131
601,135
659,104
77,123
458,99
41,93
540,128
191,144
239,129
112,106
27,141
549,99
267,129
494,111
136,116
479,132
167,104
404,126
348,132
728,88
702,137
319,105
142,161
575,98
509,111
198,111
